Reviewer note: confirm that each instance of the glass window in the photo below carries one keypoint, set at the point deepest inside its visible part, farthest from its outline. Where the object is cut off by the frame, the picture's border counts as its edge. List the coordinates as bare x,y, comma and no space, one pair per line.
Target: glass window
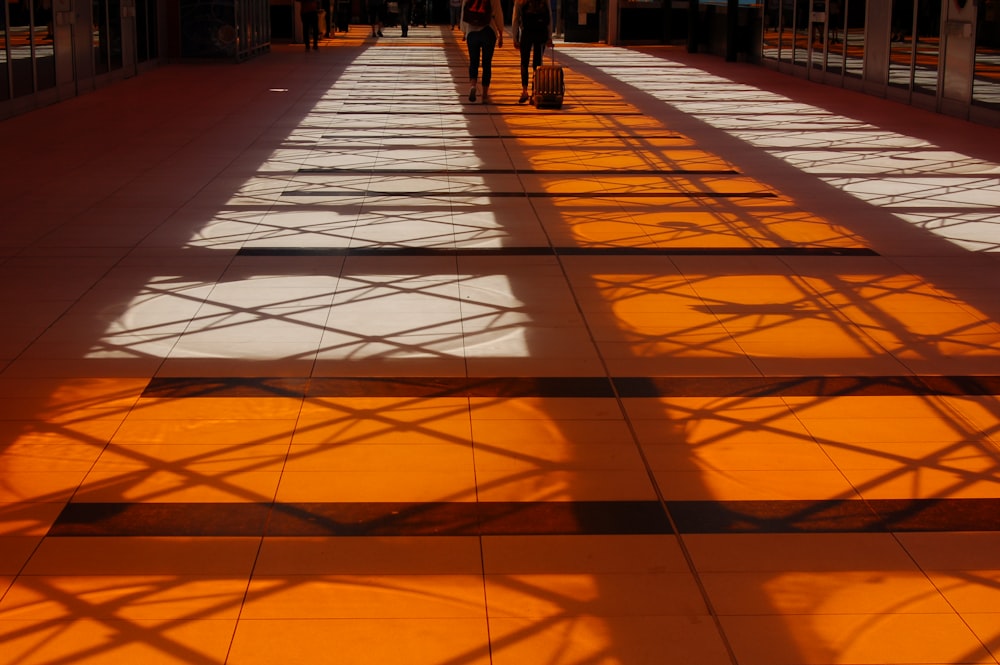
4,56
901,44
21,58
835,37
927,46
854,38
986,85
107,35
100,36
115,58
44,46
772,30
802,37
147,47
787,30
817,34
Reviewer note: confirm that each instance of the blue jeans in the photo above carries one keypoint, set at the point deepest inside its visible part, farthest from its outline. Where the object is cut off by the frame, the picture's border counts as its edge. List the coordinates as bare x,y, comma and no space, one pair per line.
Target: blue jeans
481,42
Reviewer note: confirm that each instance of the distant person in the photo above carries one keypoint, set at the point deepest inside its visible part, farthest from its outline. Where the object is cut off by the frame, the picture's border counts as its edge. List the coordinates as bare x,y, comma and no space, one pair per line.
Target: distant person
482,24
455,10
309,12
376,15
327,25
836,20
405,11
531,28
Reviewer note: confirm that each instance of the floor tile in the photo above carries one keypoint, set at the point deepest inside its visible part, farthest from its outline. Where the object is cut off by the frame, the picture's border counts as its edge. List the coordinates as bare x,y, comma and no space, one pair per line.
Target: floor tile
798,552
582,554
822,593
437,555
630,639
418,641
953,551
365,597
163,598
110,640
82,556
560,595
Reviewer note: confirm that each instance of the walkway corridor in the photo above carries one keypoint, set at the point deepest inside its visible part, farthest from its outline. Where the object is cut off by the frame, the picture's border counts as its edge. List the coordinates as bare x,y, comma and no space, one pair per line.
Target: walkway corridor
310,360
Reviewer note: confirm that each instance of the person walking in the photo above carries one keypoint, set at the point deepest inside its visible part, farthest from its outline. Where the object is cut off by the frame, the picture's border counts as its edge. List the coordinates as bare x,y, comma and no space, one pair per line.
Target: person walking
482,24
376,15
405,16
309,13
455,10
531,28
327,24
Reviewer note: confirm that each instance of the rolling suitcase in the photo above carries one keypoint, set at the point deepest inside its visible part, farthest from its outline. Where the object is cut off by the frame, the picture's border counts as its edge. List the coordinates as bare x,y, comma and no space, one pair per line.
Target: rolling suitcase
548,86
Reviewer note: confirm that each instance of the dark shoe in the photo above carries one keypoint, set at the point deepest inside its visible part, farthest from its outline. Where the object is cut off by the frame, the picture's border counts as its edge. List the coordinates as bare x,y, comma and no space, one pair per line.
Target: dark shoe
380,34
524,98
472,95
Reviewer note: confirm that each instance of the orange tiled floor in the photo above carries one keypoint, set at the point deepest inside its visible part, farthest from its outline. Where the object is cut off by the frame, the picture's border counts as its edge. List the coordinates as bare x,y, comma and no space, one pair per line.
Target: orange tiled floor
309,360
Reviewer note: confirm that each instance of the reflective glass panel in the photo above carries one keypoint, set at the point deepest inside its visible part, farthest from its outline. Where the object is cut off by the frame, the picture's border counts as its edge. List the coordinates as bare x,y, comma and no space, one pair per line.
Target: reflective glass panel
100,36
986,85
4,58
928,46
801,52
901,44
835,37
114,34
45,55
771,42
19,36
787,30
817,34
854,38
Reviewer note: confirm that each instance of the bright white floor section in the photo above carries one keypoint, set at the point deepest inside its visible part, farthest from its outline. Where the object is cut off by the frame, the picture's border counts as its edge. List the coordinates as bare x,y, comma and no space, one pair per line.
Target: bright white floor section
347,213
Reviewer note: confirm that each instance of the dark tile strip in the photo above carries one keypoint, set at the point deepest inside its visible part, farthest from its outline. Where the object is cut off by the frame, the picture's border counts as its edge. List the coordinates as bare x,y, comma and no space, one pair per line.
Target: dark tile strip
774,516
162,519
536,195
938,514
180,387
595,386
836,516
468,519
524,518
556,251
175,388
